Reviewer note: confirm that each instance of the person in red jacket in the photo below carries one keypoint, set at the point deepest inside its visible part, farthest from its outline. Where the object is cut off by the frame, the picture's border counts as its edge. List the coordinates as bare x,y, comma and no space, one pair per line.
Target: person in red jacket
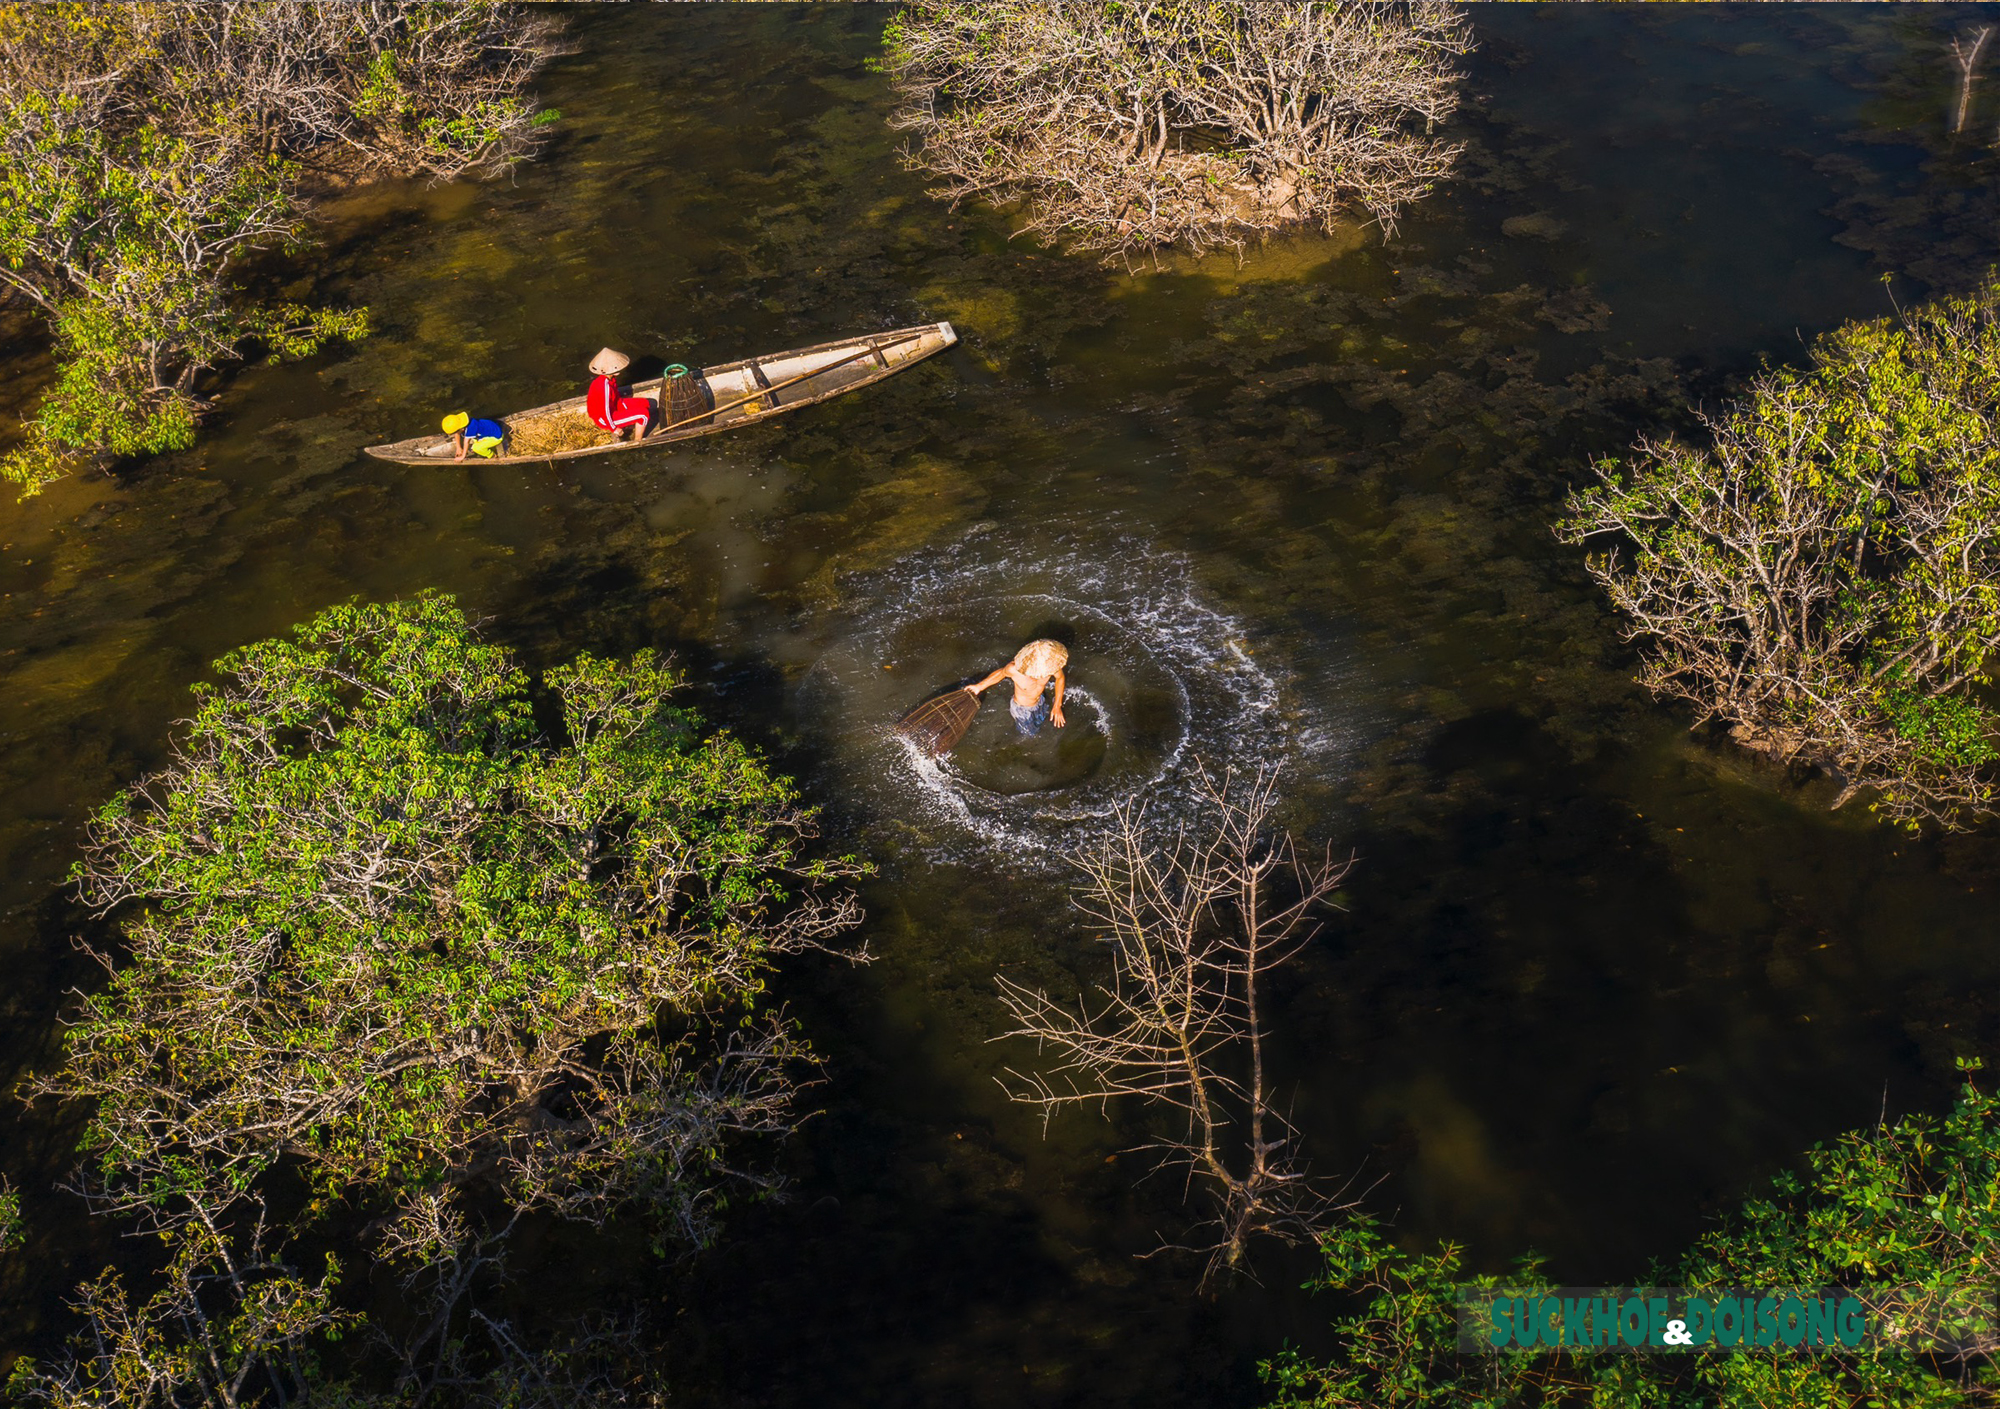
607,403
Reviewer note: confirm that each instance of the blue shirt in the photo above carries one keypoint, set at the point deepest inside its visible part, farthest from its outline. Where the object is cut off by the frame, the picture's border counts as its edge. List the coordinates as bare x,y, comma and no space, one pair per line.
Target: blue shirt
482,429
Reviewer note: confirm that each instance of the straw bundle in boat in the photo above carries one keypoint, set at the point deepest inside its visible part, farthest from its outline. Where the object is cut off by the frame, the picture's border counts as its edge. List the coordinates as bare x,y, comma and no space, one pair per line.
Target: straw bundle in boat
936,725
556,432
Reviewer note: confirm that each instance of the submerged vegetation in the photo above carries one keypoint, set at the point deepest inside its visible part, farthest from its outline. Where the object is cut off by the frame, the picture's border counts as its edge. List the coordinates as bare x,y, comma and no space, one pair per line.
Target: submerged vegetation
147,150
396,953
1824,575
1127,128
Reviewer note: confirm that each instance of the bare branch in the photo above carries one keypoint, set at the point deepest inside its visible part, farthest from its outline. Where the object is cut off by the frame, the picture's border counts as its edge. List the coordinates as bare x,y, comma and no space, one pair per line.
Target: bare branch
1127,128
1194,925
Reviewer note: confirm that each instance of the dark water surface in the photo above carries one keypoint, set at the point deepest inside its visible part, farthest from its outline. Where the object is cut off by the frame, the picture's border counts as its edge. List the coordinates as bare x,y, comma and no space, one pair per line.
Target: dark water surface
1597,975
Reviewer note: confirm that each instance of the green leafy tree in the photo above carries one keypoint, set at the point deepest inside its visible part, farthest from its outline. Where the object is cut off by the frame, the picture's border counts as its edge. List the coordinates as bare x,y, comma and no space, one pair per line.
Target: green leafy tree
386,941
13,1230
1399,1347
382,929
146,149
123,240
1907,1215
1824,575
224,1329
1913,1207
233,1325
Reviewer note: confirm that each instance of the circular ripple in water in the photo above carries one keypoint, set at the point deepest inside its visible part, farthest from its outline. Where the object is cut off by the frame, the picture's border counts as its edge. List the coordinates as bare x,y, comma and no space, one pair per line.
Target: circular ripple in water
1159,683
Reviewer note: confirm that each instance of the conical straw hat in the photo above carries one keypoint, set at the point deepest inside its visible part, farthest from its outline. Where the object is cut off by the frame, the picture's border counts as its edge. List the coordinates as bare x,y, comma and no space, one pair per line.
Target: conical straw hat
1041,659
609,362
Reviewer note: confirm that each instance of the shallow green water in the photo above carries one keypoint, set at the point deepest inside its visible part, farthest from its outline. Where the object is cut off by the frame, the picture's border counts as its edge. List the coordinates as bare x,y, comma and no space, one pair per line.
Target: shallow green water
1596,976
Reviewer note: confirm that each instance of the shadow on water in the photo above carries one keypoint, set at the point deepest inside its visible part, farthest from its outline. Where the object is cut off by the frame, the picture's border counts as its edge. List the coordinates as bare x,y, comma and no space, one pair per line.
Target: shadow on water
1596,975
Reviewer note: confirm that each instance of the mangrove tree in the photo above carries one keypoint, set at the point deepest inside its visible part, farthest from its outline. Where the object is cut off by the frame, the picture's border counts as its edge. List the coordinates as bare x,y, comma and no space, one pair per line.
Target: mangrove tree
147,150
1130,127
395,951
1823,574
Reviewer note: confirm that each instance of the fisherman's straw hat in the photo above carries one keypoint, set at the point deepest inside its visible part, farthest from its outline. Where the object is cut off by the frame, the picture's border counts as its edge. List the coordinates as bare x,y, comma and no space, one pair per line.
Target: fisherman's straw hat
1043,658
609,363
456,422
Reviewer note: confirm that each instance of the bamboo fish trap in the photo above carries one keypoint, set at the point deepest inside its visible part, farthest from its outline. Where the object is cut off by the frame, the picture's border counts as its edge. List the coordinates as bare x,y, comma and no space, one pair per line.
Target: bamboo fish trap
936,725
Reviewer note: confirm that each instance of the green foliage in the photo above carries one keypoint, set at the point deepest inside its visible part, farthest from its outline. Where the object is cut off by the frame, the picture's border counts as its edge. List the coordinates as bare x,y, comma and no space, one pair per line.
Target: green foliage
106,396
381,95
1946,731
146,149
123,238
1400,1347
383,941
1825,576
446,87
382,920
13,1230
1913,1206
217,1320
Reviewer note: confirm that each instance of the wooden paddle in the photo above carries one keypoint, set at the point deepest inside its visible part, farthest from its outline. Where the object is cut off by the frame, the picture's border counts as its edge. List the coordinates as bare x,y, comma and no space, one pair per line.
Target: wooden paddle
761,392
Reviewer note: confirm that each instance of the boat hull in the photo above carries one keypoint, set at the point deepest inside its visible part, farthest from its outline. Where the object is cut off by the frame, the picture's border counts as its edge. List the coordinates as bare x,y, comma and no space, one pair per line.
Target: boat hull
739,393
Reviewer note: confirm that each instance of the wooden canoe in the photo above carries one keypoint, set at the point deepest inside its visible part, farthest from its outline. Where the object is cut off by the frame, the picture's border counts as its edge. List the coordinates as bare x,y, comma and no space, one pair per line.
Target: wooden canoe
754,389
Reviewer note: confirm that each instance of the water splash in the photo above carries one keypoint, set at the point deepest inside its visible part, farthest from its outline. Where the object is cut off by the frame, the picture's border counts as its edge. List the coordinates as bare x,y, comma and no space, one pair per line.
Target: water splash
1163,682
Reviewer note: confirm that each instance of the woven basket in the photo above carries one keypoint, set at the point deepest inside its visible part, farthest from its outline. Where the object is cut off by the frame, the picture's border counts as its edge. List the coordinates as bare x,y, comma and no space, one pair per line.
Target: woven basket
936,725
684,396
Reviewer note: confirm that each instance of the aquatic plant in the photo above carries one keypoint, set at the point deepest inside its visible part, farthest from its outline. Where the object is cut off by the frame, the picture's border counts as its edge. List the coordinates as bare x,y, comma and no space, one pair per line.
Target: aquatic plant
1127,128
1824,576
385,938
147,150
1195,925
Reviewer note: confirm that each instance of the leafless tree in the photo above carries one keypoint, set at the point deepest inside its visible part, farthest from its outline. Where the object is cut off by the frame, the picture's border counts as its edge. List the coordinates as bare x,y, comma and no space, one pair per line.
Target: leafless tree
1126,128
1967,59
368,86
1194,924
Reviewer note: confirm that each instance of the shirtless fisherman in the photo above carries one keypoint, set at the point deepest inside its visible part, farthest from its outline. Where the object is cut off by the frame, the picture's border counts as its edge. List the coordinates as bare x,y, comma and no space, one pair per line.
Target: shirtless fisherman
1036,668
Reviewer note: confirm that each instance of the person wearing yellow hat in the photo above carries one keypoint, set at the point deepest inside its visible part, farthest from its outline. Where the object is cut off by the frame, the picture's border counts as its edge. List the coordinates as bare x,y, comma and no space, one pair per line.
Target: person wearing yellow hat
1037,668
482,437
608,404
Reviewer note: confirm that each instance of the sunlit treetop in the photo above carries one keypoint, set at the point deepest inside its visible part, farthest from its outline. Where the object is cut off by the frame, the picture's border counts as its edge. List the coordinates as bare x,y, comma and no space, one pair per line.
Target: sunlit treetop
384,930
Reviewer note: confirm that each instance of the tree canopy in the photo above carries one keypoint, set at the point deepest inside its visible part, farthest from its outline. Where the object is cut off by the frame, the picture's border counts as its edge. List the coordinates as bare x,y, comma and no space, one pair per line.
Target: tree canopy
378,922
1903,1214
146,149
1131,126
387,936
1824,575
